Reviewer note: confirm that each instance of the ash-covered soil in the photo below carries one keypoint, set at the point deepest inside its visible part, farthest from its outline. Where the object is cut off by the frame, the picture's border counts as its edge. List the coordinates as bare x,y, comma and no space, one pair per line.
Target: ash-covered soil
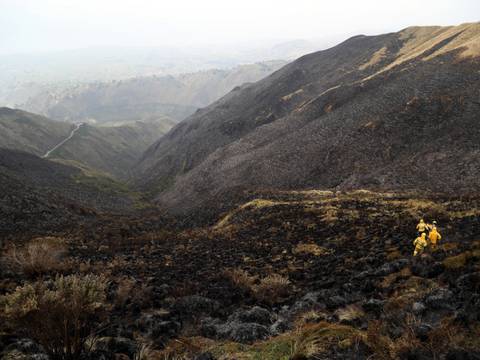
287,272
393,112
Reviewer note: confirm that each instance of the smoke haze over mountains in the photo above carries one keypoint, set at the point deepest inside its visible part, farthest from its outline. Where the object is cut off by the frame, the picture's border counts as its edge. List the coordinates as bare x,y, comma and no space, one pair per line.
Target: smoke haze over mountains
40,26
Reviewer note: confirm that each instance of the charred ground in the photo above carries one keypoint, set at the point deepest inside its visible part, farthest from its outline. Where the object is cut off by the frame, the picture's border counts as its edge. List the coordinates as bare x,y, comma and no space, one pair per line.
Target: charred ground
284,266
290,272
372,112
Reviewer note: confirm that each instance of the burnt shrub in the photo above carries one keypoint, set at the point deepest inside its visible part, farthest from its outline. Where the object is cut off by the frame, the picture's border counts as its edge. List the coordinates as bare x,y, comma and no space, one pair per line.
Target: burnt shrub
60,315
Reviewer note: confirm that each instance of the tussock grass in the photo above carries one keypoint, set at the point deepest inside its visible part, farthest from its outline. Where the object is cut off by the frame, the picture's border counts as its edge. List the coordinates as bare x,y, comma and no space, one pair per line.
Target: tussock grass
311,248
350,313
311,340
39,256
309,317
272,289
241,279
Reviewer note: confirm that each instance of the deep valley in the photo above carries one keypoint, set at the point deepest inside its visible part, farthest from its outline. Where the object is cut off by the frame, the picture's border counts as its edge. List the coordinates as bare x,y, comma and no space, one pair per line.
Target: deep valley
272,217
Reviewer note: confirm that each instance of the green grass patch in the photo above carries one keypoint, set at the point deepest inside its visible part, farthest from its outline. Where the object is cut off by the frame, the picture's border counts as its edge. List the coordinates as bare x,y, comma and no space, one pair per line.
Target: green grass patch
275,349
307,341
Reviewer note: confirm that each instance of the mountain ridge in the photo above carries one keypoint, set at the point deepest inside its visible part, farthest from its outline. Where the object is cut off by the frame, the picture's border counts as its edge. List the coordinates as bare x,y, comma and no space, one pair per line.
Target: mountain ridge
33,133
110,149
143,98
296,127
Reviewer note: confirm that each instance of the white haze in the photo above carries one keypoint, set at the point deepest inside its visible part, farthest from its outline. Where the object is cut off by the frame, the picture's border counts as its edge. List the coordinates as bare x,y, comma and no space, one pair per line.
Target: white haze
53,46
45,25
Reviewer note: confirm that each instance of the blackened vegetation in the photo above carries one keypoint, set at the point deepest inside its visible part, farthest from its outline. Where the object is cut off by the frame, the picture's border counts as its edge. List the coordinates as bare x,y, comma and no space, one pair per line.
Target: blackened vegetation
334,265
395,111
38,196
285,273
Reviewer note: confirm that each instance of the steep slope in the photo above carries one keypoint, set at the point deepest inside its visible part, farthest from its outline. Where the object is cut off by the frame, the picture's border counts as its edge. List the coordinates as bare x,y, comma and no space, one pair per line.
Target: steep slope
390,111
29,132
143,98
112,149
38,195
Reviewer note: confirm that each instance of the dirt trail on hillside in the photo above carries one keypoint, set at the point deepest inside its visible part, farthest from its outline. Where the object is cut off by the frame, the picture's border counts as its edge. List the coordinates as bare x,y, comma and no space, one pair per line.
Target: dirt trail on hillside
77,127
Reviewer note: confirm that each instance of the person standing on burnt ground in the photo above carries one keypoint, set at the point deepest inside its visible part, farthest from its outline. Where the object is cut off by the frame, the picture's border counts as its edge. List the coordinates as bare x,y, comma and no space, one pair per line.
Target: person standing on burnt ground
434,236
420,244
422,227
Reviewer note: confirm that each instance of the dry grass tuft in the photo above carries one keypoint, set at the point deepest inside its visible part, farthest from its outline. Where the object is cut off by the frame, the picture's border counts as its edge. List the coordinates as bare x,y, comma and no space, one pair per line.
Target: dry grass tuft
390,279
241,279
381,345
272,289
312,340
330,214
350,313
144,352
440,339
309,317
443,337
311,248
171,352
458,261
177,349
39,256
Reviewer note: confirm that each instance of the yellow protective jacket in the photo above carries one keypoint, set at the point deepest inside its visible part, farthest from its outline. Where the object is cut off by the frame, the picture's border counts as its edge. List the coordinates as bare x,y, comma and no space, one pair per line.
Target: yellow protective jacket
434,236
420,242
422,226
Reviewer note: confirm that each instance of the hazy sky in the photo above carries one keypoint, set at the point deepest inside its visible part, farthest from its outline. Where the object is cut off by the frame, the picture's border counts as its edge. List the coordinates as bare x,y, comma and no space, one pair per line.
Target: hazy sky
43,25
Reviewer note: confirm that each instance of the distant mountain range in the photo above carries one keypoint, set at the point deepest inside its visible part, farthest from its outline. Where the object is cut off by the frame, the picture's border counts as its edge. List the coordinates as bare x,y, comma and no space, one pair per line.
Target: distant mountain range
144,98
104,63
26,75
394,111
121,119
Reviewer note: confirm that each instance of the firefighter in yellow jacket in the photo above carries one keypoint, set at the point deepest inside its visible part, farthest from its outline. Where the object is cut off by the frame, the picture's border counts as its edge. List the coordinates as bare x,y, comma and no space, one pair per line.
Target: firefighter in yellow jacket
420,244
434,237
422,227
